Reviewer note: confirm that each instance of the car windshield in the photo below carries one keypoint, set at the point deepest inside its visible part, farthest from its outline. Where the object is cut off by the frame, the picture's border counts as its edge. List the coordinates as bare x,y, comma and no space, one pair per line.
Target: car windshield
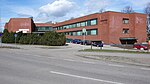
143,45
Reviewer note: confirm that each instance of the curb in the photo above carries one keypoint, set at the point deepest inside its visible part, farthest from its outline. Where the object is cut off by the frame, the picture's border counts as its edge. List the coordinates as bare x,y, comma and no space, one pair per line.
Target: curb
130,63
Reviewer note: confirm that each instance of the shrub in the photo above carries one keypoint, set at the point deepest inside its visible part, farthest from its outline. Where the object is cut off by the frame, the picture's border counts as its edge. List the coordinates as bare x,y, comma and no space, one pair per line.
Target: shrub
8,37
51,38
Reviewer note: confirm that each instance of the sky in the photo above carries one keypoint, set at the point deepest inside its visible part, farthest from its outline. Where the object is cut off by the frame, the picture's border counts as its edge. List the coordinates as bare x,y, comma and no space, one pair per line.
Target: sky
60,10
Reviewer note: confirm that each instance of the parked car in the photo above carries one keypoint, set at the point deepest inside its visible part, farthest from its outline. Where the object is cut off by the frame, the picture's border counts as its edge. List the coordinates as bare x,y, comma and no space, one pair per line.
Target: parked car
140,46
97,43
86,42
76,41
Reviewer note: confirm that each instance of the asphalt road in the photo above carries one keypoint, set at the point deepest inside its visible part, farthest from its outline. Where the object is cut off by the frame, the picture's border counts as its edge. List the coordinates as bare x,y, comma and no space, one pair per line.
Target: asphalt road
42,66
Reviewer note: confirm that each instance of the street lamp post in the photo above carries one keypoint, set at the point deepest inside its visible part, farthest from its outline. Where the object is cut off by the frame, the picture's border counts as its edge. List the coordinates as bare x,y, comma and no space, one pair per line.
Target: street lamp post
1,39
84,33
15,39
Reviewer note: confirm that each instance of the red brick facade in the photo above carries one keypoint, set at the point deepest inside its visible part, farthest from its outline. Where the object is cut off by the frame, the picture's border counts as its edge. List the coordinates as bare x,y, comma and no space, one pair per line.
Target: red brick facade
111,27
20,24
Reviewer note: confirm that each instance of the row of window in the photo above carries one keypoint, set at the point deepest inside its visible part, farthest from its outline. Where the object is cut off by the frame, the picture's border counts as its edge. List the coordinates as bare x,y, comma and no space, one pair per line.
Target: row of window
79,24
79,33
87,23
44,28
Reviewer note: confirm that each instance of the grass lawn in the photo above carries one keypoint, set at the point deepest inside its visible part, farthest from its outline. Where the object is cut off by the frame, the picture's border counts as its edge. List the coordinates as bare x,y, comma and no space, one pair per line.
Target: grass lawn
10,47
114,51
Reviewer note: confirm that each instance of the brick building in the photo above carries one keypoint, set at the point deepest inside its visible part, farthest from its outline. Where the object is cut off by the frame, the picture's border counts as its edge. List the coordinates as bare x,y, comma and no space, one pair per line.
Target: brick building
109,27
20,24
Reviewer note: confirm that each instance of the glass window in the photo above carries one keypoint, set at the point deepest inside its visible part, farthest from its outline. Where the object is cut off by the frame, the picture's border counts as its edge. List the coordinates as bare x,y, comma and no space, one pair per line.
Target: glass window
94,22
70,26
66,33
67,26
71,33
61,28
93,32
88,23
47,28
79,33
41,28
125,31
57,28
64,27
74,26
83,24
88,32
74,33
78,24
125,21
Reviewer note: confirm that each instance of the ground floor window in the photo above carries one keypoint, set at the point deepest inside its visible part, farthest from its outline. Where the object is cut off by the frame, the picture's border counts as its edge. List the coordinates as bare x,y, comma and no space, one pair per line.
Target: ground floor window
79,33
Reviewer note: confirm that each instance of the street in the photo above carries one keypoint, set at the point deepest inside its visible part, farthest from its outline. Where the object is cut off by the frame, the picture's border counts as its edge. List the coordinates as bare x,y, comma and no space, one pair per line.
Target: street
38,65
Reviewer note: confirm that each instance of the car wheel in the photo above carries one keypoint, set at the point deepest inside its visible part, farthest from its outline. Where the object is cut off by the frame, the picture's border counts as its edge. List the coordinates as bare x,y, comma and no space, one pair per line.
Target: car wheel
141,48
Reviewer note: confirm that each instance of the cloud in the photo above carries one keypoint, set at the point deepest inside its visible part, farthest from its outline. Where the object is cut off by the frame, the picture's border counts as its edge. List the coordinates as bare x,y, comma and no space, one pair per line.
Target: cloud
25,11
138,3
96,5
58,8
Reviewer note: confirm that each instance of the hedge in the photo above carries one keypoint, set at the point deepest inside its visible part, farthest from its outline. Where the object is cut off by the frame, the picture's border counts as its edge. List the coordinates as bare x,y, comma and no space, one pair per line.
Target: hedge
50,38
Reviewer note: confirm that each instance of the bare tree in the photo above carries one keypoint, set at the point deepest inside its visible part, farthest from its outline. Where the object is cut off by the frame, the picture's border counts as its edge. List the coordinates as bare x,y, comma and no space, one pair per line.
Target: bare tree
101,10
127,9
147,11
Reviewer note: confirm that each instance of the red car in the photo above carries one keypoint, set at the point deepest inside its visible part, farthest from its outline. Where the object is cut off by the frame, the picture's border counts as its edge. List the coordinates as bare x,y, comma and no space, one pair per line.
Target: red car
140,46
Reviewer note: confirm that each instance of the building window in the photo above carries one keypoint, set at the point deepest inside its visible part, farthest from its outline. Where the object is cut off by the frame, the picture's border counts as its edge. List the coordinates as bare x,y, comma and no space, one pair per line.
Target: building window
125,21
125,31
67,26
64,27
83,24
71,33
47,28
93,32
70,26
74,33
74,26
88,23
78,24
88,32
94,22
79,33
67,33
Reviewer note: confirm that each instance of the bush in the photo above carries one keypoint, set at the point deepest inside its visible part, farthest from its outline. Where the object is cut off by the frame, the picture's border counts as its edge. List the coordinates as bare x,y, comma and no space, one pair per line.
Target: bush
51,38
8,37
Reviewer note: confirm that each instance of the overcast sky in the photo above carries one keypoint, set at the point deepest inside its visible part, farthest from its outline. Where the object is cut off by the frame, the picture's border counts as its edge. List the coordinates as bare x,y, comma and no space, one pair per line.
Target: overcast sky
60,10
